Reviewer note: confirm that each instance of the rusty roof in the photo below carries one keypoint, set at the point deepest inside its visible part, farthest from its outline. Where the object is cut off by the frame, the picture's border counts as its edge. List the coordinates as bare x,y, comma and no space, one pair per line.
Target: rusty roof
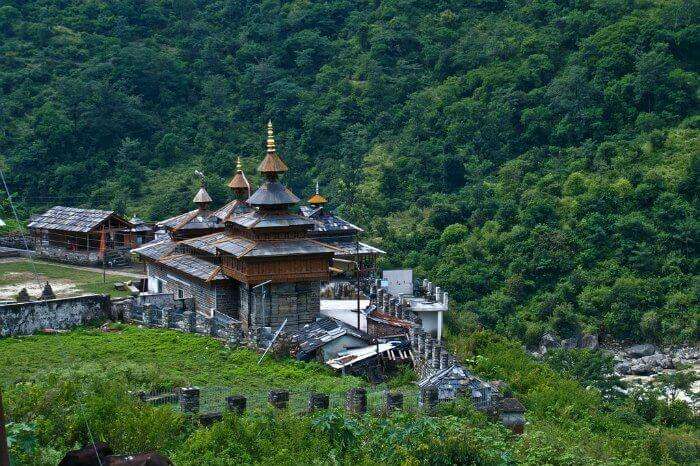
390,320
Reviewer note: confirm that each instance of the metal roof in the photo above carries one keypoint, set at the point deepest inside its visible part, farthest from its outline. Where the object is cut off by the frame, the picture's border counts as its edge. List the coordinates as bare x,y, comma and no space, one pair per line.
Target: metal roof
72,219
328,222
390,320
272,193
193,266
156,249
354,356
325,330
351,247
196,219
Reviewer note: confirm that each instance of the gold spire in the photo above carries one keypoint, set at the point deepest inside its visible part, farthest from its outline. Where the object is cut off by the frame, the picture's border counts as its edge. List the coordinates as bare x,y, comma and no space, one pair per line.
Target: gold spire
239,183
317,199
272,165
239,165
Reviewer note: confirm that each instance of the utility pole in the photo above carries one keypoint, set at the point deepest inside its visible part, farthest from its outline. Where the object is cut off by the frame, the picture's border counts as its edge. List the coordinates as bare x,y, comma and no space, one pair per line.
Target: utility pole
4,450
357,264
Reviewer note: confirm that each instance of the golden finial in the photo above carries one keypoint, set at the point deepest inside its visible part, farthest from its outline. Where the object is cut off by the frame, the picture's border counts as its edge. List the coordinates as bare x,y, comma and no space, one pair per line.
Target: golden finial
316,185
239,165
270,137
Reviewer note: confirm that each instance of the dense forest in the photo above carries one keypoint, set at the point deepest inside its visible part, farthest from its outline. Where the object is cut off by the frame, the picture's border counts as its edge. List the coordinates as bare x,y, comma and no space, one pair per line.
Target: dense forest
537,158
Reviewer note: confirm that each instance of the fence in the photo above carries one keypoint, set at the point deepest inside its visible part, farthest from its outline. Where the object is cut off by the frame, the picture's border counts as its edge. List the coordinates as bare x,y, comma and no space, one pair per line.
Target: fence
210,400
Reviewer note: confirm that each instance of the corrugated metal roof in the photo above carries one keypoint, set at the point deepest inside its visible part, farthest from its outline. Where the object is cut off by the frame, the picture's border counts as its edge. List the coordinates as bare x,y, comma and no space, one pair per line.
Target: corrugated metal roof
193,266
354,356
390,320
72,219
317,334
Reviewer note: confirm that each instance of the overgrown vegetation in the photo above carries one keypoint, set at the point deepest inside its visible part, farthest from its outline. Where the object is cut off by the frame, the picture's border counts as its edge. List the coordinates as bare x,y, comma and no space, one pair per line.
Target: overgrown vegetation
538,159
51,403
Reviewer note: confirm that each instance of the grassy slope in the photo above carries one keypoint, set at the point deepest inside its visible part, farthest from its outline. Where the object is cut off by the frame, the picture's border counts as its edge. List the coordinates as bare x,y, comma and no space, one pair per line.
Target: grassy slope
86,281
178,358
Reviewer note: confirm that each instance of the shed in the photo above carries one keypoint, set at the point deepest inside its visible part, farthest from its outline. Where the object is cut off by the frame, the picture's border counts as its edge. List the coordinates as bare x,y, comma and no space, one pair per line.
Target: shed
511,413
325,338
457,381
76,229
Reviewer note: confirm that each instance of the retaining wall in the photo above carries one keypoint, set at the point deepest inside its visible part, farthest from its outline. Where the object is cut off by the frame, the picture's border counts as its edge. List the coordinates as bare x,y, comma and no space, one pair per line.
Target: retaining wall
59,314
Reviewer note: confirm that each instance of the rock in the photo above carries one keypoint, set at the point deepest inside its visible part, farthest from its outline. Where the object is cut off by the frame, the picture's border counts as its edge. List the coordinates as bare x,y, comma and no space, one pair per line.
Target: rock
638,351
570,343
589,341
622,368
640,369
548,341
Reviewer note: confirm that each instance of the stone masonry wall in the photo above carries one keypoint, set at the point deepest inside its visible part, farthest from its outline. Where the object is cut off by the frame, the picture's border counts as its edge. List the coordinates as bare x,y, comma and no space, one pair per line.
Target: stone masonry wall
203,293
61,314
299,303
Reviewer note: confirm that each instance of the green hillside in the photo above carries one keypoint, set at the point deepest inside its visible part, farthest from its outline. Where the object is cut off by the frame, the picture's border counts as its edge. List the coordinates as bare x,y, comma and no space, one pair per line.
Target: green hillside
537,158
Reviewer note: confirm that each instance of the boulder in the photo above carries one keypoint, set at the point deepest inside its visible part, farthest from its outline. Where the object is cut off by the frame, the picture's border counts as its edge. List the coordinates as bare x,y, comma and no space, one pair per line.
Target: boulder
641,369
589,341
548,341
570,343
622,368
638,351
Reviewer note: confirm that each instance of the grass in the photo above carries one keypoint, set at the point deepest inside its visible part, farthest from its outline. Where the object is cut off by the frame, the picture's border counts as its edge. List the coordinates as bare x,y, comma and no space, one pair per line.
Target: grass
86,281
177,358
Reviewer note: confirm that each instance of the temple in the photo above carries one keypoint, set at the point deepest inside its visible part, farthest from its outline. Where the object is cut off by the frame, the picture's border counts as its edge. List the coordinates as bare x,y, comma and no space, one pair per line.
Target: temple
257,258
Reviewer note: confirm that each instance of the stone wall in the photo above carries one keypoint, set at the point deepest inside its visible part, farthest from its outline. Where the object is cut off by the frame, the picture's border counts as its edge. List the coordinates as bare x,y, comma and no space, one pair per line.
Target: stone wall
60,314
204,294
92,258
299,303
14,240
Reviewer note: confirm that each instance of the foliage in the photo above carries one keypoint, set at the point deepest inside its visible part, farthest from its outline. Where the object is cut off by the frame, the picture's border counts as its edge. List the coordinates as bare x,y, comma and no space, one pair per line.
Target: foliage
152,358
589,368
537,159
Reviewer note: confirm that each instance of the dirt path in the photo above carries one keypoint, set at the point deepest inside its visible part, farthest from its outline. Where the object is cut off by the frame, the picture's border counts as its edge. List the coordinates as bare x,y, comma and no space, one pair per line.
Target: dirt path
127,272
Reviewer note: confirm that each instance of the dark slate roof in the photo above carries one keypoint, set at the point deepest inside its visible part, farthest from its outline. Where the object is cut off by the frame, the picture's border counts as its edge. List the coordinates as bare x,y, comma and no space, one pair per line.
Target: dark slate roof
511,405
242,247
71,219
328,222
257,219
231,209
156,249
206,243
317,334
192,220
193,266
272,193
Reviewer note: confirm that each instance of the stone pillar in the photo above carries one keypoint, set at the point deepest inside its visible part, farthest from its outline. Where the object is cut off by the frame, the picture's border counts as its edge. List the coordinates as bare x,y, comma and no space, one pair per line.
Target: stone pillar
234,337
318,401
189,400
429,343
380,297
444,360
211,325
437,351
421,343
168,313
414,338
445,300
356,401
394,401
237,403
438,294
392,308
385,303
147,311
23,296
190,321
429,398
278,398
426,285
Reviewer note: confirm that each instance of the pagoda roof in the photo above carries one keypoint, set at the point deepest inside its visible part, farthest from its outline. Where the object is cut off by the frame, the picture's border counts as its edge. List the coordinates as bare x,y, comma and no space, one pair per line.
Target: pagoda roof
202,196
270,219
232,209
272,193
196,219
244,247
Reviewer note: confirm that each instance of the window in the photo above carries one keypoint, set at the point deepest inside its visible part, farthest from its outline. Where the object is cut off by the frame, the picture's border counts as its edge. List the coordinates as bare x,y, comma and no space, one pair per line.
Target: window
180,293
159,285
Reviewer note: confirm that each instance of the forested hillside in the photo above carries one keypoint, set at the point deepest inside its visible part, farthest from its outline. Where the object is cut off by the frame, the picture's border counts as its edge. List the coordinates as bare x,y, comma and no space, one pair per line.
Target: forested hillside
537,158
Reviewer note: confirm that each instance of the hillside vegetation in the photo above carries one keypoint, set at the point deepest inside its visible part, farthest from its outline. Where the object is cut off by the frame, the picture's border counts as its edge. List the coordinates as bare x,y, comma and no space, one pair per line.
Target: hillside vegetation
58,386
537,158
